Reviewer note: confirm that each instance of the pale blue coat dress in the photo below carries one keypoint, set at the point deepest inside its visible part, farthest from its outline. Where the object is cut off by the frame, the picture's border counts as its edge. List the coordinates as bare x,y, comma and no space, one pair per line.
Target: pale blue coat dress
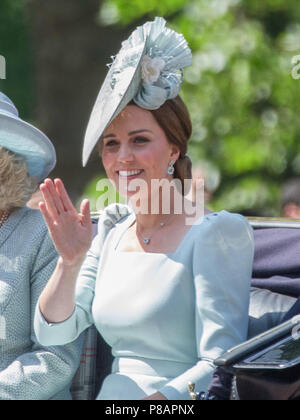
29,371
166,316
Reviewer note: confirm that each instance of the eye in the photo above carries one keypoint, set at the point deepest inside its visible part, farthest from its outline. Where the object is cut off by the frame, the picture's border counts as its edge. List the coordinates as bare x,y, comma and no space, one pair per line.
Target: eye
110,143
141,140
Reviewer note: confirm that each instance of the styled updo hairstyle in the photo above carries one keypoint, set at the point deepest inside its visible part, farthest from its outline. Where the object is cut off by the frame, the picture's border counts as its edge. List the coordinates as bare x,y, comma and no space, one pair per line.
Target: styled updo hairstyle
173,117
16,185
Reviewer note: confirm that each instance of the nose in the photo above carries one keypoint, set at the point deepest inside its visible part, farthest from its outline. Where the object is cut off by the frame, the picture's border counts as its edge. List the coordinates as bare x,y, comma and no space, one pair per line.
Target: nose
125,154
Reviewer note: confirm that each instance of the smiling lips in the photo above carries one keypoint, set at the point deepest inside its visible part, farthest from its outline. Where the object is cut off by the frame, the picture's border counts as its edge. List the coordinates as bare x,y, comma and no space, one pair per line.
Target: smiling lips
129,174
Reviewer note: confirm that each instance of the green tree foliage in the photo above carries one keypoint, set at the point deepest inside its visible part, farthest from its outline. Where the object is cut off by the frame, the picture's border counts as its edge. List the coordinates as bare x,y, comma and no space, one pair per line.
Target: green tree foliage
240,91
15,47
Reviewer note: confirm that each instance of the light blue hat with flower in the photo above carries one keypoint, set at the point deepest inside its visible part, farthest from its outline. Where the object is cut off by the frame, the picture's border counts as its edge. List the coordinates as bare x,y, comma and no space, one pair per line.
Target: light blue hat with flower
24,140
147,70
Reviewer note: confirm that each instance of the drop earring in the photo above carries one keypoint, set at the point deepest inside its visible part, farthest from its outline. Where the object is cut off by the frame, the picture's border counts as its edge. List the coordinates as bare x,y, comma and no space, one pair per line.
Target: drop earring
171,168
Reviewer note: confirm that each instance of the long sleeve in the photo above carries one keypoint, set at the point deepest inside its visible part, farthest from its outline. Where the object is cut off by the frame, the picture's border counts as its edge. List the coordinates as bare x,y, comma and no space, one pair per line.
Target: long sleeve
68,330
222,265
40,373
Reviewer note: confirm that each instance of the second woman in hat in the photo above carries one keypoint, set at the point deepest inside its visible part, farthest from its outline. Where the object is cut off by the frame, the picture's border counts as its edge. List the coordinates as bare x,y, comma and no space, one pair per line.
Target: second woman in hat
28,371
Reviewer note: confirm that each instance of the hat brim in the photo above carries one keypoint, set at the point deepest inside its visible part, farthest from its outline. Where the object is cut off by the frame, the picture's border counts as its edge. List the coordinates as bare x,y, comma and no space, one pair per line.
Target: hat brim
27,141
113,98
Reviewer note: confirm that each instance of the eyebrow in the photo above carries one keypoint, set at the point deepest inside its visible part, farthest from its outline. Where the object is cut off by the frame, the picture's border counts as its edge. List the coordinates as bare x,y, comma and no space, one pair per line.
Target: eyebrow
131,133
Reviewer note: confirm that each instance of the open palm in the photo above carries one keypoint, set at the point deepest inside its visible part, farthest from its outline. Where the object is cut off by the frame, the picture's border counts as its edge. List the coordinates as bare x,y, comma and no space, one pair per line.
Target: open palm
70,231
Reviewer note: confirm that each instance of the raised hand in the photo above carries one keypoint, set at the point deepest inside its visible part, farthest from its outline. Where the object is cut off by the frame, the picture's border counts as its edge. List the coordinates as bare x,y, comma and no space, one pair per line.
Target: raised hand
71,232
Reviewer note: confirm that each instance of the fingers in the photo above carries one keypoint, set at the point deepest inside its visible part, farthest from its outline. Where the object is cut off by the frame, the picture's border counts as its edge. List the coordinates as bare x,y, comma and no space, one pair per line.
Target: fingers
65,199
56,197
50,197
85,211
45,214
57,202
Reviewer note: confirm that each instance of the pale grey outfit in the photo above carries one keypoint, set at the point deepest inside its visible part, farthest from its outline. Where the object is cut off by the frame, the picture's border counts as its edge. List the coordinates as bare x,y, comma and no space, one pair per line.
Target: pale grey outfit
29,371
166,316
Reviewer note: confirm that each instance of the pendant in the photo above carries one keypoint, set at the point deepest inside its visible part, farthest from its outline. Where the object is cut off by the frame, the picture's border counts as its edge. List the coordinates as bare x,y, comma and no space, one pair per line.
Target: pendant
146,241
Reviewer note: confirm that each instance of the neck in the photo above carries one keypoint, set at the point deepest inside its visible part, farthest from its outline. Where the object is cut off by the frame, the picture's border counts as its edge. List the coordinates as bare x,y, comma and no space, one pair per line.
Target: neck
148,219
151,221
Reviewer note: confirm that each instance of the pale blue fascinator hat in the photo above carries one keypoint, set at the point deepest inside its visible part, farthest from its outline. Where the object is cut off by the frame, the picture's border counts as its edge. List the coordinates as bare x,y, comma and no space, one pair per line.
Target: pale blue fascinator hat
147,70
24,140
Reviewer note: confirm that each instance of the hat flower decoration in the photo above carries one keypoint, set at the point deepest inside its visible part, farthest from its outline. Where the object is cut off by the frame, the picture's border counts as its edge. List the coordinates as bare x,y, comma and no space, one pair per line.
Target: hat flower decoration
151,69
147,70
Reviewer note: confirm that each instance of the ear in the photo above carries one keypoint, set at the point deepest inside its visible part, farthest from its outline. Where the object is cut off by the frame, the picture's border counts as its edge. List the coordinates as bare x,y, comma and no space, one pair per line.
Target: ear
174,152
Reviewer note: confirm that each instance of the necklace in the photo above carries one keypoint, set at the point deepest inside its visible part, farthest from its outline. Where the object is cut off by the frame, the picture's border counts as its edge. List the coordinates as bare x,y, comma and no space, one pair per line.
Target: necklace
147,239
3,218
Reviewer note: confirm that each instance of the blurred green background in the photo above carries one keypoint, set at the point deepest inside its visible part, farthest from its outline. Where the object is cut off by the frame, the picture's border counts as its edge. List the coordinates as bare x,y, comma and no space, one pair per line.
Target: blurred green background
242,91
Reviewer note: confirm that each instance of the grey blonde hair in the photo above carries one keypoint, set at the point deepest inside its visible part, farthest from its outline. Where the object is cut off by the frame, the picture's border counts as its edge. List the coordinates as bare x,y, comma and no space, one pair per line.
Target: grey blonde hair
16,185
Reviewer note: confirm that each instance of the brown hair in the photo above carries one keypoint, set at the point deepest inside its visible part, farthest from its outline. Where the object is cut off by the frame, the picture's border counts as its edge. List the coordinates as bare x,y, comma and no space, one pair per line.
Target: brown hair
173,117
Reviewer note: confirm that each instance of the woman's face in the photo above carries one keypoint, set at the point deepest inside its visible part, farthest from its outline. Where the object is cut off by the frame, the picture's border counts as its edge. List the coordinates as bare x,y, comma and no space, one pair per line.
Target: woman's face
136,147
